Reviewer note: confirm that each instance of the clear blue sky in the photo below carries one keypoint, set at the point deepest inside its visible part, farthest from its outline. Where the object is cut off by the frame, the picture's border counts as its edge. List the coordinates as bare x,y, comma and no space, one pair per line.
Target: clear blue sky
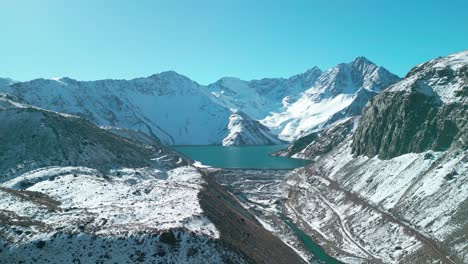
209,39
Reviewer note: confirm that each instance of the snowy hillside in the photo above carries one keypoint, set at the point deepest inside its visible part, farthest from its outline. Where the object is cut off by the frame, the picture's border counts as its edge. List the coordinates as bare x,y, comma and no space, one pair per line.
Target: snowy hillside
127,193
444,76
34,138
392,189
76,205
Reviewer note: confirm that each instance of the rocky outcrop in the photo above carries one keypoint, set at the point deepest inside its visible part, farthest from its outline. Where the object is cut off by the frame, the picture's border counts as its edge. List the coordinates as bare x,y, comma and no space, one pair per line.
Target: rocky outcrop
425,111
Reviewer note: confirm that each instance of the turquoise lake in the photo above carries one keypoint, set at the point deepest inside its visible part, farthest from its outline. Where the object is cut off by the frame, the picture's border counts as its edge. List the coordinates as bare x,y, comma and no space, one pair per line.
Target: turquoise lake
241,157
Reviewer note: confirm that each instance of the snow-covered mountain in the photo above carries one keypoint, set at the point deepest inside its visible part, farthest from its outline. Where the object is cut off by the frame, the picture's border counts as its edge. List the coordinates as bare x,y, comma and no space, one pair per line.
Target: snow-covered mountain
243,130
390,186
259,98
307,102
73,192
168,106
343,89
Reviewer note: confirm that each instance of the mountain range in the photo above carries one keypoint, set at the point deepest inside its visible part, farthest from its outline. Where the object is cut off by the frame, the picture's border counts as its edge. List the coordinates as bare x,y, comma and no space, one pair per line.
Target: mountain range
179,111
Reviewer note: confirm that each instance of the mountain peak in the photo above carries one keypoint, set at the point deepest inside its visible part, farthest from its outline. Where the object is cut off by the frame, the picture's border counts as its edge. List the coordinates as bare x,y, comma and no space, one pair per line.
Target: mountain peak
171,76
360,61
312,71
6,82
168,75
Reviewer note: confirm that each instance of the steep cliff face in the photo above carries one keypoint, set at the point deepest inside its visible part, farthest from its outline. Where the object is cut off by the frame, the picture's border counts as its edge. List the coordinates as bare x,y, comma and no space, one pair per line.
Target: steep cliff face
427,110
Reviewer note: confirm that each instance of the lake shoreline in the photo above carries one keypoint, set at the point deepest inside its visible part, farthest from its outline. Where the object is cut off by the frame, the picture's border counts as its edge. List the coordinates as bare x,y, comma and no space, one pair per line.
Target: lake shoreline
241,157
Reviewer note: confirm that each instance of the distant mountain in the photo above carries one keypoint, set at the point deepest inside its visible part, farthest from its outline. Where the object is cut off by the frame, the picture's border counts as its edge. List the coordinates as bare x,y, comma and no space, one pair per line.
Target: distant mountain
259,98
168,106
343,89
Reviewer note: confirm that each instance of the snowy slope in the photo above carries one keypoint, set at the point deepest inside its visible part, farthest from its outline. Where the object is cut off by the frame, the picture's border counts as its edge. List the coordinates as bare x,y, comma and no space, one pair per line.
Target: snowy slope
441,76
34,138
408,209
334,90
132,215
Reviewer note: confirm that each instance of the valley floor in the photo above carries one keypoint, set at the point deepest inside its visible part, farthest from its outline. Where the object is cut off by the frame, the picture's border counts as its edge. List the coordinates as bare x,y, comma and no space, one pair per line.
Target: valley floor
262,193
339,221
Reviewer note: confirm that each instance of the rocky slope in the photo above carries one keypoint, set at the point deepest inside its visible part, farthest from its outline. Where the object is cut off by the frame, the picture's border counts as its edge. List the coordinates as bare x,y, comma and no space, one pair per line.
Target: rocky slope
395,191
73,192
427,110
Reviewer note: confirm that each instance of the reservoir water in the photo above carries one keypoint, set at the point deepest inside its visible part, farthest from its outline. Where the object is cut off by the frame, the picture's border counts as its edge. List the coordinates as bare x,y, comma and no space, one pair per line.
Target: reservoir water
241,157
